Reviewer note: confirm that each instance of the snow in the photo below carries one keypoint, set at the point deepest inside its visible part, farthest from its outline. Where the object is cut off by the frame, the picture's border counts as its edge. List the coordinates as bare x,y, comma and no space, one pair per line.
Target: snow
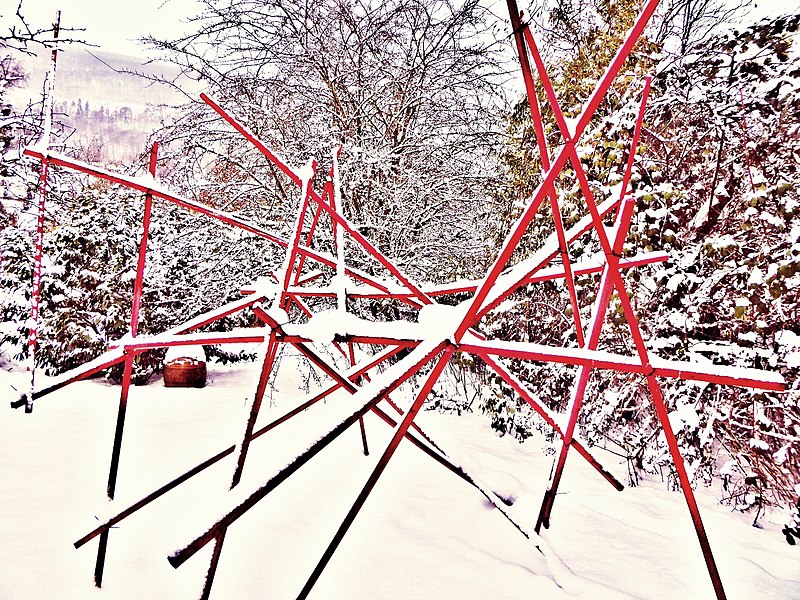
325,325
195,352
421,534
748,377
439,319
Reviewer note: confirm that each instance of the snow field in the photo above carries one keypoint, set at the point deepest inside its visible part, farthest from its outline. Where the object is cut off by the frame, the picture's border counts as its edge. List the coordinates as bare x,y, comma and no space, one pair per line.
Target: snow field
423,533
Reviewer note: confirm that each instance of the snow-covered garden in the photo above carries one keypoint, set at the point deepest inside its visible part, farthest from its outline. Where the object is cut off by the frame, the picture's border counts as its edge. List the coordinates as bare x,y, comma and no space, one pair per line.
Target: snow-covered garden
600,261
424,533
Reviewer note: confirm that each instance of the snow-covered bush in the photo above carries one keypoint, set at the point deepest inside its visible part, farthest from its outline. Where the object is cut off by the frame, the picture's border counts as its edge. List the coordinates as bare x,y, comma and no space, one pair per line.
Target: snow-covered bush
715,185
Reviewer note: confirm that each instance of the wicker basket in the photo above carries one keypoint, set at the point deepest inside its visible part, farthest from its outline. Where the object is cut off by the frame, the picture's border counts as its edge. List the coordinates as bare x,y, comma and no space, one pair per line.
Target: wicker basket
185,372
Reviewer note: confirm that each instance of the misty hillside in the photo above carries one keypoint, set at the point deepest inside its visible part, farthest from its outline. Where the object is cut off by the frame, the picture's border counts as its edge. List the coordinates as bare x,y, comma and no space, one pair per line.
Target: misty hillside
110,111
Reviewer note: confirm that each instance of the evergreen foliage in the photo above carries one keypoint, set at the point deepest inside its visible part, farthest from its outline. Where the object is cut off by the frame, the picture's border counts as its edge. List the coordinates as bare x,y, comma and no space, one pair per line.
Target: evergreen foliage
715,186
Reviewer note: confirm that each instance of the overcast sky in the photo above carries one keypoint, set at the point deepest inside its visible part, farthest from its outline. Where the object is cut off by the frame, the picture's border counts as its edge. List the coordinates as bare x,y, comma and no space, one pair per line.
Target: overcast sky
115,26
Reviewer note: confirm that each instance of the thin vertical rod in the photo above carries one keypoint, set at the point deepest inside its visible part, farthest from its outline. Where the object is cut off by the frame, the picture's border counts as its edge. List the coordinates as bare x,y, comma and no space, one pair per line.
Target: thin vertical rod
114,467
338,232
361,419
128,369
36,283
536,118
139,282
294,243
263,381
261,388
378,471
311,230
212,567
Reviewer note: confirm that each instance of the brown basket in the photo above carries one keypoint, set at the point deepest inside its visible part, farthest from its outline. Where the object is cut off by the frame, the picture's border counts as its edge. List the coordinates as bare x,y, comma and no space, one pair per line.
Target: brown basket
185,372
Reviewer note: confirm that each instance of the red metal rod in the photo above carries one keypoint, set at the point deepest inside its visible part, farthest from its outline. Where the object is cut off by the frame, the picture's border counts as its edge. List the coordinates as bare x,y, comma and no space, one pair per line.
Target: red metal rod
549,274
361,420
346,225
400,372
139,282
36,283
686,487
309,238
54,158
261,388
121,516
536,118
114,467
378,471
525,394
655,390
512,240
211,338
523,34
212,567
606,280
548,86
595,359
126,377
328,193
294,242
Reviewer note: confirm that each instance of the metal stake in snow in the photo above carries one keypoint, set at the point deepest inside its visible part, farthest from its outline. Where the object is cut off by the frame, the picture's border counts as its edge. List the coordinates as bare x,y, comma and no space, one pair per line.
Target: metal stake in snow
44,142
129,357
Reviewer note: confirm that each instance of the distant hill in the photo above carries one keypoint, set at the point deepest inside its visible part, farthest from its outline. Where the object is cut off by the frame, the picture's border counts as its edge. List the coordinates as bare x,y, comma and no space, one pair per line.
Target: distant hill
111,110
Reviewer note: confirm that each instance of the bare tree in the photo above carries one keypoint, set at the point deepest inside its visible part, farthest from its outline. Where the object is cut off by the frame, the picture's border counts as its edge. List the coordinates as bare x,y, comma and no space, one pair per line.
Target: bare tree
20,34
411,87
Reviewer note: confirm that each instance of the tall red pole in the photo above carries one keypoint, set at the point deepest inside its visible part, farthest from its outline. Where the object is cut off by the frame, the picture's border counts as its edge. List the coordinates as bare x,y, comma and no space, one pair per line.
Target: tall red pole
536,118
128,370
139,282
36,284
378,471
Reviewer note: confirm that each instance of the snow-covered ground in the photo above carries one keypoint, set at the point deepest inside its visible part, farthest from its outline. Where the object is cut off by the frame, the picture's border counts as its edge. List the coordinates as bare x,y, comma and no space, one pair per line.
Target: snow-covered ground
423,532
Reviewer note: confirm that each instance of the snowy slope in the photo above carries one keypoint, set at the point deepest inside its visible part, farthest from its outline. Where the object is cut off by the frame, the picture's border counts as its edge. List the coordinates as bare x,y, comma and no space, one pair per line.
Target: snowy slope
423,533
